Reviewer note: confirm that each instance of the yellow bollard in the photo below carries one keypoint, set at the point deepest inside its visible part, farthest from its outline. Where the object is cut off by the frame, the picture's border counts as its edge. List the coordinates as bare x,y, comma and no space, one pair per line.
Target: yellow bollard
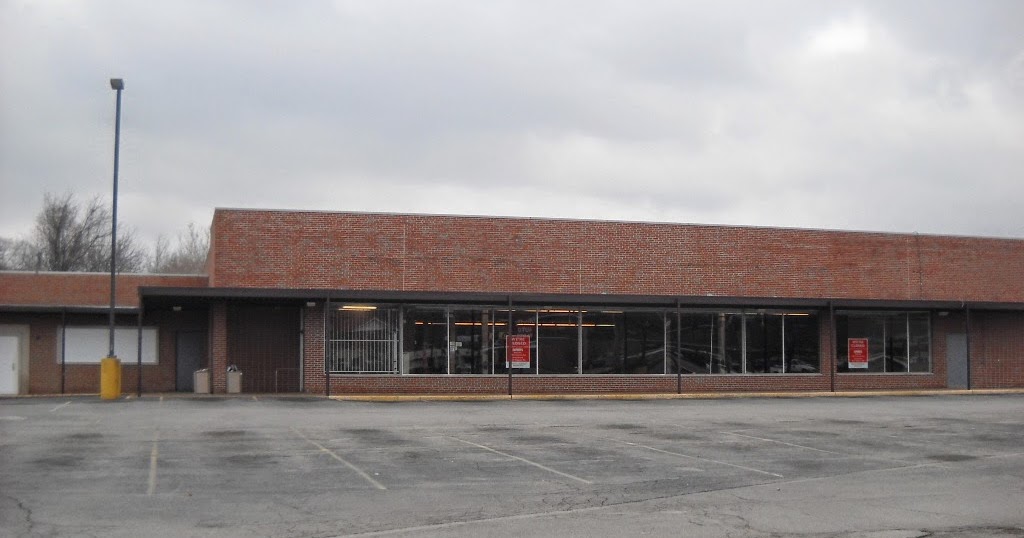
110,378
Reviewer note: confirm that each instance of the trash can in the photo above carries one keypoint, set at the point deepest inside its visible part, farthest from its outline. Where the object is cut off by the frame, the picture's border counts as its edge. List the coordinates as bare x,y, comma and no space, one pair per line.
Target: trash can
234,380
201,383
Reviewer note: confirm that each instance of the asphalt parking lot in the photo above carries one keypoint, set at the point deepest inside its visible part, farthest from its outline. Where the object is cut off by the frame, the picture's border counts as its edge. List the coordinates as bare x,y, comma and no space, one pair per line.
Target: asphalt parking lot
884,467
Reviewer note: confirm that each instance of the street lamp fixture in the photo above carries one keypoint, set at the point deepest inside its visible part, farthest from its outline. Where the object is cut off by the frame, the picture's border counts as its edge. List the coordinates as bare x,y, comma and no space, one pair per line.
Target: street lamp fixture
110,367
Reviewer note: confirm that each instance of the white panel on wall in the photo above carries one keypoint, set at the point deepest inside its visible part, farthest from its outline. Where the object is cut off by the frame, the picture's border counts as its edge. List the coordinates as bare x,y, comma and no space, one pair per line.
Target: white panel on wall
87,345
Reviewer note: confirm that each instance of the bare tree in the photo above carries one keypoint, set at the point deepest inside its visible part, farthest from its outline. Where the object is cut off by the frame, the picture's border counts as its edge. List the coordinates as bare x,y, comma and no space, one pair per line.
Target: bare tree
6,249
188,256
74,236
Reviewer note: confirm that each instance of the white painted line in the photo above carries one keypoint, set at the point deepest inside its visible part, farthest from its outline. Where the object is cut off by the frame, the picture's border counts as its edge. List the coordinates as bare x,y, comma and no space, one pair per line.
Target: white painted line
153,455
524,460
785,443
65,404
328,451
490,520
638,445
843,454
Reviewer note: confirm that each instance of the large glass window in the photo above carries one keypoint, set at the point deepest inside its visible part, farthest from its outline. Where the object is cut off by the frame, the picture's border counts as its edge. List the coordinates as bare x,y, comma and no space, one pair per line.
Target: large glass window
362,339
558,341
744,342
623,342
471,340
897,341
425,341
523,322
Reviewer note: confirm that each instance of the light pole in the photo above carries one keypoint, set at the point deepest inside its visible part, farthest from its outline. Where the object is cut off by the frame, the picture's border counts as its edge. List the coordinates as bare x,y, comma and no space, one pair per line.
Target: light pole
110,367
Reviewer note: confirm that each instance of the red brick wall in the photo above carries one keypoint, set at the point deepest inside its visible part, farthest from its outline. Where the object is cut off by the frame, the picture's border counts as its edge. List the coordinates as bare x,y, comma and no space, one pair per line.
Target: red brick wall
44,353
997,349
293,249
218,341
82,289
313,349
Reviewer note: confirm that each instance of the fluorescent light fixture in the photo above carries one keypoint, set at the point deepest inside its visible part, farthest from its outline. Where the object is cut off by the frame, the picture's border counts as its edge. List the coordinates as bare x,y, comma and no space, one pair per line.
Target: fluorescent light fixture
358,307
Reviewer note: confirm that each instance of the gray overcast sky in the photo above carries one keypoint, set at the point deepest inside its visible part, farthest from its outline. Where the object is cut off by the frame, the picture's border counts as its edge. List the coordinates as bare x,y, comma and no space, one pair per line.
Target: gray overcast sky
892,115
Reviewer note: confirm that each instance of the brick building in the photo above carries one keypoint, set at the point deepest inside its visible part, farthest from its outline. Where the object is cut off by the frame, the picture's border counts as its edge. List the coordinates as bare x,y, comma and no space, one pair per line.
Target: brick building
382,303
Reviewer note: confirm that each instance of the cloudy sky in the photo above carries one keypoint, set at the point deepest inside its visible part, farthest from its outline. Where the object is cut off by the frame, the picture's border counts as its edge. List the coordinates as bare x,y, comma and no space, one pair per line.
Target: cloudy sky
892,115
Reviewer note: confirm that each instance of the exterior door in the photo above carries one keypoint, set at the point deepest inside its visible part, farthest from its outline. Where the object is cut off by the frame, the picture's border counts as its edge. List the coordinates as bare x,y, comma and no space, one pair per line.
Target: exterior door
190,356
13,340
956,361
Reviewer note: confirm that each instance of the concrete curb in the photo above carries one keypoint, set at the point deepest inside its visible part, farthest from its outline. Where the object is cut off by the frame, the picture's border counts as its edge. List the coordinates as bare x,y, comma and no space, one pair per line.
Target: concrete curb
542,397
661,396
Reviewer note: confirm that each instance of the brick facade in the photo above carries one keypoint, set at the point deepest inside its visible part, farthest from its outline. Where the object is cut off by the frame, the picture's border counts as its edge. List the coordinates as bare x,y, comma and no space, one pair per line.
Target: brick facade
292,260
83,289
311,250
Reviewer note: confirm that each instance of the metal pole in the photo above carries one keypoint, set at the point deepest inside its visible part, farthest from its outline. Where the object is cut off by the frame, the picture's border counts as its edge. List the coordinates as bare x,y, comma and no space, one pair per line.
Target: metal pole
63,347
508,331
832,347
118,85
679,349
327,342
138,359
967,339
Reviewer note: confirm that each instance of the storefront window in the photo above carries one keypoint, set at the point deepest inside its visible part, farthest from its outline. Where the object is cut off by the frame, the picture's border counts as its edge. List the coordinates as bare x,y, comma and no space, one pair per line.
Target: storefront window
897,342
737,343
362,339
471,340
558,341
425,342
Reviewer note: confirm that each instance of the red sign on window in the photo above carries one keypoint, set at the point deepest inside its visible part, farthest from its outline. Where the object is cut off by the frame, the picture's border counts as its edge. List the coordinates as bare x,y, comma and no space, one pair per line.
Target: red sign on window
857,352
517,348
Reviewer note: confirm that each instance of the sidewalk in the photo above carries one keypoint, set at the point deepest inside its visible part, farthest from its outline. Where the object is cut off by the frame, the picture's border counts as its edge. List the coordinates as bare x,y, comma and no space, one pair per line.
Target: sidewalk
549,397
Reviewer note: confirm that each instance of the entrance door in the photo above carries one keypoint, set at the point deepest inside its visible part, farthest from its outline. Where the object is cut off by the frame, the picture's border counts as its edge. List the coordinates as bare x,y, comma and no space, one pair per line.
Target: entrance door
12,342
956,361
190,356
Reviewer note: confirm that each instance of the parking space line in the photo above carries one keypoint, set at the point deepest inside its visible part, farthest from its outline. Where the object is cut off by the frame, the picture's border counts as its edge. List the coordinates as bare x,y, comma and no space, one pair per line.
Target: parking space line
524,460
65,404
698,458
154,454
329,452
843,454
785,443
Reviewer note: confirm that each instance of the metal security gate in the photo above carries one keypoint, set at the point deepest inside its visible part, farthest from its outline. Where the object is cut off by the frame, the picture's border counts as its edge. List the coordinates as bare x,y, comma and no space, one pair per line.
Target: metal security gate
363,340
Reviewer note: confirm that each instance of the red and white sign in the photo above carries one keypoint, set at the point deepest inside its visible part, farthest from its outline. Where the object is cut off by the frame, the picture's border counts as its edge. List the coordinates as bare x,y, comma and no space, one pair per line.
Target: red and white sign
517,348
857,352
